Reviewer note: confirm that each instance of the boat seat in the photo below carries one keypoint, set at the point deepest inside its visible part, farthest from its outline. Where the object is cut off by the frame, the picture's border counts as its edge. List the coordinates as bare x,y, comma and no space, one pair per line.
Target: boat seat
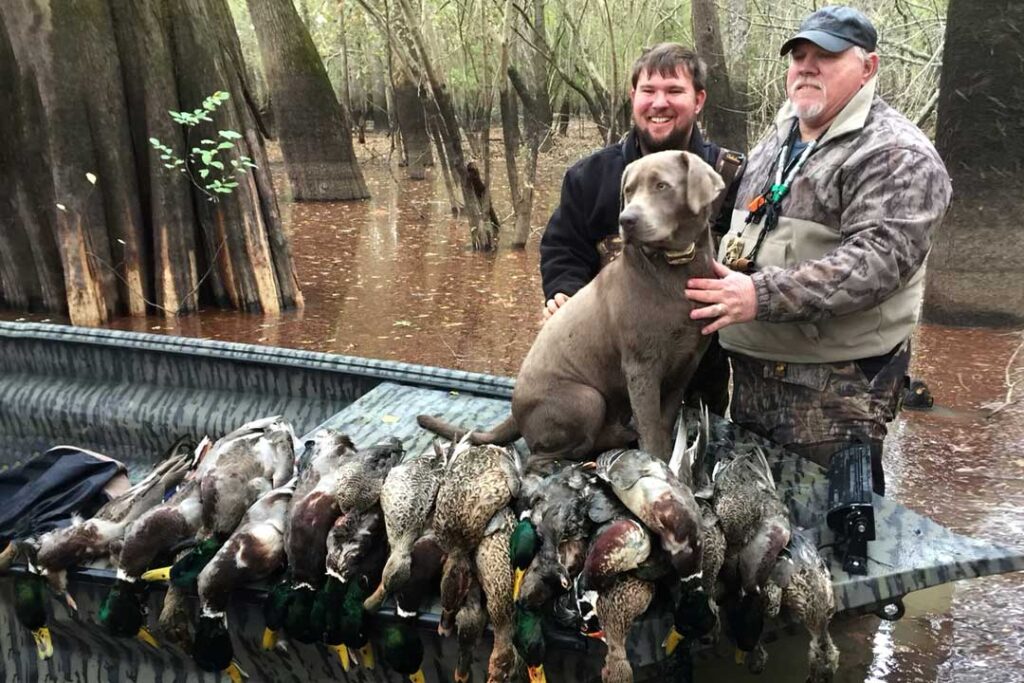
390,409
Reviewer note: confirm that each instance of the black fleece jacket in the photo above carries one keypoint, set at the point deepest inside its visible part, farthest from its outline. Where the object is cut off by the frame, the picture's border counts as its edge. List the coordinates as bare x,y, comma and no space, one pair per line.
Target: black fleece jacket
589,211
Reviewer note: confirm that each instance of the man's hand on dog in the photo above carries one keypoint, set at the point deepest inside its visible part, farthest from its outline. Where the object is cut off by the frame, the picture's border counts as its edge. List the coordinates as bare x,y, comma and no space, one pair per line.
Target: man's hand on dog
731,298
553,305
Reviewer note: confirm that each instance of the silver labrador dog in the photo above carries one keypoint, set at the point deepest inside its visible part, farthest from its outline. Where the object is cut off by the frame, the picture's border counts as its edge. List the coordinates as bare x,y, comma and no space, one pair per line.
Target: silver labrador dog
624,345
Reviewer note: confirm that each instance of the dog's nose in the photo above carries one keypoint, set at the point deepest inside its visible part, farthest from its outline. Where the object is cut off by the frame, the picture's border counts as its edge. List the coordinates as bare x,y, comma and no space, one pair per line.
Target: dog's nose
627,220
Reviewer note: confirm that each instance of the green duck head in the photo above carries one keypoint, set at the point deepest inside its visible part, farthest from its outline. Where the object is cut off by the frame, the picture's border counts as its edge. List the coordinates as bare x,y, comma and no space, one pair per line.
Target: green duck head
402,649
185,571
275,612
523,546
528,638
30,609
298,620
212,649
327,608
122,612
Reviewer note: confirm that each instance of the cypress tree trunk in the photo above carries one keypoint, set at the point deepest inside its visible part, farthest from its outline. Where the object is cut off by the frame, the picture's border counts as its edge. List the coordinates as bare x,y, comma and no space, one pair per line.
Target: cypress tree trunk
413,124
312,126
975,267
99,227
723,116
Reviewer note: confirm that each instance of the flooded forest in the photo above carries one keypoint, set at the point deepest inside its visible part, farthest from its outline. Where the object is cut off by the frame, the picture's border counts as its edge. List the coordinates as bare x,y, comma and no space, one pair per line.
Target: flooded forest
398,215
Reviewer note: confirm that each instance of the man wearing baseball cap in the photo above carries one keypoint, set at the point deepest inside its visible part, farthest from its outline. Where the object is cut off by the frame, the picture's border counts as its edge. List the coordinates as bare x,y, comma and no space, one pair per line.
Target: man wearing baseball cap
822,276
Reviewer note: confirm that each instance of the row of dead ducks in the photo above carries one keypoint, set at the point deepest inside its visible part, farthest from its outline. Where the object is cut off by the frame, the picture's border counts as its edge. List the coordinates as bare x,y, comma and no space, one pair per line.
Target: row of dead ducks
587,546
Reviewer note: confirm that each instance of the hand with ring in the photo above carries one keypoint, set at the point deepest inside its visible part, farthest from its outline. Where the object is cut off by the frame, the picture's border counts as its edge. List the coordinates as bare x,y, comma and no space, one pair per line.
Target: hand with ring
729,298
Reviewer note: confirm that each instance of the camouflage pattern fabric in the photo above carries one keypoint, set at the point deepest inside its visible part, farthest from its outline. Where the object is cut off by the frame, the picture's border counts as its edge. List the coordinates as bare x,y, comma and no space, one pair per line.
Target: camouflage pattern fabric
815,408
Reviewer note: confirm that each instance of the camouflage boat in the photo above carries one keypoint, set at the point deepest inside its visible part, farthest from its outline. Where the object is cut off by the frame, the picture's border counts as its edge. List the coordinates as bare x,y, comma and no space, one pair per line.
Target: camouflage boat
129,395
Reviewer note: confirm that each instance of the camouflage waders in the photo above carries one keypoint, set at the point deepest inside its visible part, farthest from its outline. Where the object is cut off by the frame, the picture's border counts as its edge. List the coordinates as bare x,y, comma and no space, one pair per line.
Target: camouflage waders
815,408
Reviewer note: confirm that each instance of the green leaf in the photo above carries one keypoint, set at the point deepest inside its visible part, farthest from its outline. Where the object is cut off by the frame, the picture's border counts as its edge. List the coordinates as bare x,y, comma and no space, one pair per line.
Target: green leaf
217,164
226,145
165,157
207,157
203,172
155,142
207,141
229,134
168,165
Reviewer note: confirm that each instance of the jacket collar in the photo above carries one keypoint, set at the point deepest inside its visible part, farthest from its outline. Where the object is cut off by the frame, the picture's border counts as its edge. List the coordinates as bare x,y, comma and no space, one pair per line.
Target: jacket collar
850,118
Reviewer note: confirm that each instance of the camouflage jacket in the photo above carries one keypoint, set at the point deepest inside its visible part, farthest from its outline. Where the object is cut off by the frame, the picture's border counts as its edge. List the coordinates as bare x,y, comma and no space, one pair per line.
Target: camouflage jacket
840,277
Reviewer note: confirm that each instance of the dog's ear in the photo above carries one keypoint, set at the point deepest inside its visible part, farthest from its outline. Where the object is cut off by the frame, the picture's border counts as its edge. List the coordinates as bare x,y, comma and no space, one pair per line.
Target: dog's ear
703,184
622,188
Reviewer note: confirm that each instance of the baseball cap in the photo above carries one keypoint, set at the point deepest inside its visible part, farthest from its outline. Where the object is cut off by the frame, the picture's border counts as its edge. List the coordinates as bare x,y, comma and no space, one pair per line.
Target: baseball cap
835,28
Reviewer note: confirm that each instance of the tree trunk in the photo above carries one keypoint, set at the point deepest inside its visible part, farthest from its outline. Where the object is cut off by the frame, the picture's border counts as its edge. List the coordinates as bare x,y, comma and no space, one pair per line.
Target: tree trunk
95,79
413,124
540,68
564,112
975,267
724,118
313,128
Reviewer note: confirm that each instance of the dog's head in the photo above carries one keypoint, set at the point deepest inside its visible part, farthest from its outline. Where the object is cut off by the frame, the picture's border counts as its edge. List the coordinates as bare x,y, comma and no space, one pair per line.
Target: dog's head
666,199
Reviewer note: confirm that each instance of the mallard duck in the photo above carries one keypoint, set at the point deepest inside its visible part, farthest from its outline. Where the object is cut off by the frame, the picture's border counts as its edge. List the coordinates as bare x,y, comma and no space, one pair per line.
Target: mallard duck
254,552
809,598
30,609
355,560
528,639
618,606
523,547
478,482
241,467
407,499
156,531
494,570
469,624
695,613
361,476
401,646
666,506
618,547
314,511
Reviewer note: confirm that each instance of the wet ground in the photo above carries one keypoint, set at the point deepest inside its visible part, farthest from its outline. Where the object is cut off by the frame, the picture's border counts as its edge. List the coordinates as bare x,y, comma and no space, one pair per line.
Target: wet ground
392,278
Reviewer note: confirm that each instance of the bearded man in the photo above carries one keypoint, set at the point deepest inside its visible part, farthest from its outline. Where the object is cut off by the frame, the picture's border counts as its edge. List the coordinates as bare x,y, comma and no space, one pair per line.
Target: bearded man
823,274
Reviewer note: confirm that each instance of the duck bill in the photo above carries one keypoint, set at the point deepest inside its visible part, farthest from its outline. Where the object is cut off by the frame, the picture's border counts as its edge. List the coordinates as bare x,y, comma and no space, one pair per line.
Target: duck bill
269,639
461,676
517,585
366,655
376,599
342,652
418,677
537,674
672,641
44,643
596,635
741,656
235,672
161,574
145,636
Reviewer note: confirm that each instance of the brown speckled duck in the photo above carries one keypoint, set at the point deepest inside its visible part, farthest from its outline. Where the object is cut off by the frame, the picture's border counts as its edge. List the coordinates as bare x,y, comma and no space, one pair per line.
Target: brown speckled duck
407,499
494,569
618,606
478,482
809,598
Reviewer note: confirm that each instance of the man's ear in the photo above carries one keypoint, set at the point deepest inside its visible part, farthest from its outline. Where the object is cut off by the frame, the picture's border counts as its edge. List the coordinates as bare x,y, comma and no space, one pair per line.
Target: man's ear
703,185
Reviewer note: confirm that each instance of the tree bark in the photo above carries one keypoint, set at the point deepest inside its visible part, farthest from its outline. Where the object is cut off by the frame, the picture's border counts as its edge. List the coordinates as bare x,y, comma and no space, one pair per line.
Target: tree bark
413,124
975,267
313,128
96,78
724,118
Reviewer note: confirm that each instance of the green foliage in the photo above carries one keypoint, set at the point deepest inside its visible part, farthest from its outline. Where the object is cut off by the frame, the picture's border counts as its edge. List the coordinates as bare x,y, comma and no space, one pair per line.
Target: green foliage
204,163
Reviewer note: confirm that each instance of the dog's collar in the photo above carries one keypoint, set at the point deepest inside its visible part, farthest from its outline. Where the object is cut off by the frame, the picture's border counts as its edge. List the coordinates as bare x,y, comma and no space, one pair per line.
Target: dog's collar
680,257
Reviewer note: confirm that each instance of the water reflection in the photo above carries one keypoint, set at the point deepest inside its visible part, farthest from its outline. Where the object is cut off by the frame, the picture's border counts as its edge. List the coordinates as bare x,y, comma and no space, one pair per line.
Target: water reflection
392,278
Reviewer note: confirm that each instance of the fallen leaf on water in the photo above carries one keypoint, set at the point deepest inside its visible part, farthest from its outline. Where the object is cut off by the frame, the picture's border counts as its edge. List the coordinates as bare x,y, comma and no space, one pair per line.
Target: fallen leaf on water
389,419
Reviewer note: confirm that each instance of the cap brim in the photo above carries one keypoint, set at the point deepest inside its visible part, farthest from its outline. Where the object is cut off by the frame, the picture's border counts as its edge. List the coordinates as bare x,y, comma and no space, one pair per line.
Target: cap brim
826,41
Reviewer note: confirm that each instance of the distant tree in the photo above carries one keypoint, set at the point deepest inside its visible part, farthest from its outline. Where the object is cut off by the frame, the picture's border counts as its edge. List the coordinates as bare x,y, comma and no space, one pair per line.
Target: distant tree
93,224
724,117
313,128
977,262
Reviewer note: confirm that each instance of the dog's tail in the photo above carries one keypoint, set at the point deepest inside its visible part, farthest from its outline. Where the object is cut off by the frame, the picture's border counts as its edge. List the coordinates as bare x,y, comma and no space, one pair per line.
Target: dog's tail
504,433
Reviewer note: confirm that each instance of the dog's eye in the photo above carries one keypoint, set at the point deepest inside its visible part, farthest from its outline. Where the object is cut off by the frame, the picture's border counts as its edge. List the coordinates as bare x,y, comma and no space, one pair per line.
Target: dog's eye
661,185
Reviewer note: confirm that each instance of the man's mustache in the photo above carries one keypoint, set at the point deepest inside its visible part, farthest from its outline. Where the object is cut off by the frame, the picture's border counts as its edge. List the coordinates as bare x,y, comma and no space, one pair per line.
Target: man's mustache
807,82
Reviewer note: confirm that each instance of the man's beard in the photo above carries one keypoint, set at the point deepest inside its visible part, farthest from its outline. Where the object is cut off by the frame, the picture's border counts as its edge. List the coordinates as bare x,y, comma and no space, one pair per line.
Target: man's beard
808,110
677,139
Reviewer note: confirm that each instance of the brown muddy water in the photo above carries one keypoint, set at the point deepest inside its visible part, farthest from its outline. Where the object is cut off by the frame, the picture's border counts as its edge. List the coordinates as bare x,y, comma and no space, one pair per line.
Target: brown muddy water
392,278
